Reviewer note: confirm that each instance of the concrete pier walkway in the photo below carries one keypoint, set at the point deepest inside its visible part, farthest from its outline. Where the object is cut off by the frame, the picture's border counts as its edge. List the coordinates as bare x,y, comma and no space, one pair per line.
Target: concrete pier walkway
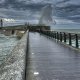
49,60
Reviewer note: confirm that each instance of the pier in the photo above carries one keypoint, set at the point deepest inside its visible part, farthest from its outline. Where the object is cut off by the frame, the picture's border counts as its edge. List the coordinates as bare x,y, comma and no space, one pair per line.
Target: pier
47,55
40,40
51,60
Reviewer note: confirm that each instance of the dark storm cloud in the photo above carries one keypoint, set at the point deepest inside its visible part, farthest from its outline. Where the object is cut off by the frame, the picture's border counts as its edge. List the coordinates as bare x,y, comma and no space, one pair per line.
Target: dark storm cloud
31,9
20,5
64,1
19,9
67,9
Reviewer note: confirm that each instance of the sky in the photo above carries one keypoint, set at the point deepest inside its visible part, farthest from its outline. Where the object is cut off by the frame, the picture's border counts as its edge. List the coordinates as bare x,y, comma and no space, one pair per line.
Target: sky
17,12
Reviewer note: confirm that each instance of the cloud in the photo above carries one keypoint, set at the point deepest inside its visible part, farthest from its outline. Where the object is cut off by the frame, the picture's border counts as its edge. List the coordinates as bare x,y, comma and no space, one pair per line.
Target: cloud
20,9
26,10
67,11
20,5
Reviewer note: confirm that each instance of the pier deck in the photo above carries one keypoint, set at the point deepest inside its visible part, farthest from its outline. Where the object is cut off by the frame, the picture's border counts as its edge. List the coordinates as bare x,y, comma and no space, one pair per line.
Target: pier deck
49,60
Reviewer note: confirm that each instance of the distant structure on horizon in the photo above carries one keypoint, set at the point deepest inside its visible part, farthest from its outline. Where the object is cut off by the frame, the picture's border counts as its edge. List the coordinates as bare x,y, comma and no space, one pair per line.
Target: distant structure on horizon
46,16
27,24
1,23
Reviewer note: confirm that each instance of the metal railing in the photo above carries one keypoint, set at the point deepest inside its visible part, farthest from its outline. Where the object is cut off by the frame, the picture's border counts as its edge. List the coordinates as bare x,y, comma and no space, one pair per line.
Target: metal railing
65,37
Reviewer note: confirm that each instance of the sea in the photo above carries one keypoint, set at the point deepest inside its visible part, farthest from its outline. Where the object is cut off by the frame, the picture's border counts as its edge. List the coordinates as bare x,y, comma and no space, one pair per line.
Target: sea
70,28
11,64
7,43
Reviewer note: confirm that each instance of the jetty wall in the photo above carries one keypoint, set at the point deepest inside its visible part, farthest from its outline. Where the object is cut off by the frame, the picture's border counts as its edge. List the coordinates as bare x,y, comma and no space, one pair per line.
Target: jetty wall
13,67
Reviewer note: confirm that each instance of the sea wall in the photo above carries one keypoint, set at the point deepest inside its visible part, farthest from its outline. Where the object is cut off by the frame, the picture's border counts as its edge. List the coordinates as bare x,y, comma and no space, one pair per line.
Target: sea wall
9,32
13,66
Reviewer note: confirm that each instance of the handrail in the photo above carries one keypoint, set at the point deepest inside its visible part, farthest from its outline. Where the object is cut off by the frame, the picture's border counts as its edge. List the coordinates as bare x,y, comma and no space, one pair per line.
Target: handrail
63,36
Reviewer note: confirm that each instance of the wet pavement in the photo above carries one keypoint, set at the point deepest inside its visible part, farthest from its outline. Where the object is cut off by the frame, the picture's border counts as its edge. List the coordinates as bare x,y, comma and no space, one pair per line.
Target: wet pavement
49,60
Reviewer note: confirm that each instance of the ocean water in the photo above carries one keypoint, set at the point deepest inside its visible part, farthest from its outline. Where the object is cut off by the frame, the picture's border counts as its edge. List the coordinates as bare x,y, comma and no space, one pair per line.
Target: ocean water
12,67
70,28
6,45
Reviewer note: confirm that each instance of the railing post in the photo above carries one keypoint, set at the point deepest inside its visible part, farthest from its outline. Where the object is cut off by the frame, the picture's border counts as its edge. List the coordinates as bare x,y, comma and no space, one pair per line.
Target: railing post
57,36
45,32
70,43
77,46
60,36
65,37
49,33
53,35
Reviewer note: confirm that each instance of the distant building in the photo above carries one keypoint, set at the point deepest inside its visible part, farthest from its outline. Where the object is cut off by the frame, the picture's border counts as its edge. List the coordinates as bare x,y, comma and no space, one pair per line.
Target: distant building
27,24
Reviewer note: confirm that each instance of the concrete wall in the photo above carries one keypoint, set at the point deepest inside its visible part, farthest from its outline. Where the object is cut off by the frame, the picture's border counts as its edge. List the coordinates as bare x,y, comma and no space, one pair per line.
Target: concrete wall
6,32
11,32
14,65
